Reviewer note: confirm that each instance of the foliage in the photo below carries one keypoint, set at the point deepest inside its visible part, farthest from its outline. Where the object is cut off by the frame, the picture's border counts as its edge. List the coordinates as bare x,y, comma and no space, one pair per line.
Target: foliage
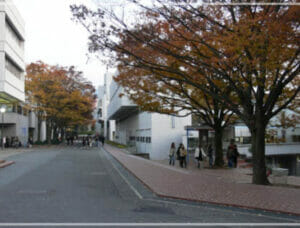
246,57
60,95
121,146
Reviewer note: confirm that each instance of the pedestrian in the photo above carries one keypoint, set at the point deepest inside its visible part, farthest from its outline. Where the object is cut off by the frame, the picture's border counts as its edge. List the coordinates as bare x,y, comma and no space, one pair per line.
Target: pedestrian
183,154
102,140
30,142
232,154
90,142
210,155
16,142
198,155
83,141
172,154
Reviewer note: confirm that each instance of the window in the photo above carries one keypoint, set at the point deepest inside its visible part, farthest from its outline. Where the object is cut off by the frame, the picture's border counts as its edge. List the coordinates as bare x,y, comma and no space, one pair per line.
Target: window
132,138
14,108
19,109
148,139
11,33
12,68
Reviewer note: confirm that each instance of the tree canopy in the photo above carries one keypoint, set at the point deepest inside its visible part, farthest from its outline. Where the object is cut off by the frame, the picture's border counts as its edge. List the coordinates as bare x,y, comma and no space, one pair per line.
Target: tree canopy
250,50
60,95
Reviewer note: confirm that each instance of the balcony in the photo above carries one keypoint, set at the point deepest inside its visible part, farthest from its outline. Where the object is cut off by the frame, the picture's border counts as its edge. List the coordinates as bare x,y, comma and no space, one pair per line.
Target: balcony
120,108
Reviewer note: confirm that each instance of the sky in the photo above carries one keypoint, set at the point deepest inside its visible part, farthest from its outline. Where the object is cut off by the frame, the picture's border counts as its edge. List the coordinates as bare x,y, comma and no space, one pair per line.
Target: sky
52,37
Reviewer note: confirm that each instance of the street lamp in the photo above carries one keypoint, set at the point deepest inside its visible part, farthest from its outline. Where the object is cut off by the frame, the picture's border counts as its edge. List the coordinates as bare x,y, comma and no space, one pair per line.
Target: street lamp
2,110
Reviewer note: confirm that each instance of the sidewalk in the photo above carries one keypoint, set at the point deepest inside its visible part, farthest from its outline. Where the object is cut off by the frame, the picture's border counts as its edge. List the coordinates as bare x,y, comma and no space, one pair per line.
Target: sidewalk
209,186
7,152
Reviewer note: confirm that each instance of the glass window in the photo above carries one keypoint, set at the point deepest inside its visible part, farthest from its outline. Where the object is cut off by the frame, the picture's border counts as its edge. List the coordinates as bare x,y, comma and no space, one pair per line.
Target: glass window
10,31
12,68
19,109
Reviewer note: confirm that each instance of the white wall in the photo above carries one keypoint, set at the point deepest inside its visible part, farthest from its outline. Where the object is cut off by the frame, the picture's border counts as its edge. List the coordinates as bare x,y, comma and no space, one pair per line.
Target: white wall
163,134
158,127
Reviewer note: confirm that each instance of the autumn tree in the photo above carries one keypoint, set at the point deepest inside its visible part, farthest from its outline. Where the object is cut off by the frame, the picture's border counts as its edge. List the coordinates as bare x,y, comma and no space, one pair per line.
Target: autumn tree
253,50
155,93
60,95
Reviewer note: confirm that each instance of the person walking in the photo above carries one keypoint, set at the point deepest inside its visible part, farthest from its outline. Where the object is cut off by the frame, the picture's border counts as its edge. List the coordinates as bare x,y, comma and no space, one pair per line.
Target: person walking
210,155
232,154
198,155
183,154
172,154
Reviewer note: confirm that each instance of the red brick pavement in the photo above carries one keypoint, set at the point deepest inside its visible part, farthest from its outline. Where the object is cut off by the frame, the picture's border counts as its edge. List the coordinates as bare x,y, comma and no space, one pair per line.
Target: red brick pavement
170,182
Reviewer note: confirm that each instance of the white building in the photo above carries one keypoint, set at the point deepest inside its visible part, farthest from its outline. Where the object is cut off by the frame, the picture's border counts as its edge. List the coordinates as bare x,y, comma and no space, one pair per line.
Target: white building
104,126
12,65
145,132
16,120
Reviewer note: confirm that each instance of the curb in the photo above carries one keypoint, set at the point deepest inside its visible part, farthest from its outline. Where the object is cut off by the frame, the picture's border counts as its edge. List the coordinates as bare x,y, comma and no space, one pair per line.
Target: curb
6,163
200,201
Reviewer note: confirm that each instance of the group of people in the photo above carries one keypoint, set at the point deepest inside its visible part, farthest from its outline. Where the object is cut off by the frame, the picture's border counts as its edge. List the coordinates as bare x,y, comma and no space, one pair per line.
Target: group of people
11,142
181,155
89,141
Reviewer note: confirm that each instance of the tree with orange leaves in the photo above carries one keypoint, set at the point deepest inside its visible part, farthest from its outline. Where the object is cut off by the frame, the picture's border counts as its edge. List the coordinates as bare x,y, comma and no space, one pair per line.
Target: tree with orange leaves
59,95
252,49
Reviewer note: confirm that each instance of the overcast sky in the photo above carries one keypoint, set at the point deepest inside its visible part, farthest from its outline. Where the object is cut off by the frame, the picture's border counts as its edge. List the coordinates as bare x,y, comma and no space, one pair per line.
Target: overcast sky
51,36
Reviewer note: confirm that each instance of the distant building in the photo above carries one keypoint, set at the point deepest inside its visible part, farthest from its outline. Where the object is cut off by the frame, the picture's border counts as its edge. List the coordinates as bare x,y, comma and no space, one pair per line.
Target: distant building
104,126
145,133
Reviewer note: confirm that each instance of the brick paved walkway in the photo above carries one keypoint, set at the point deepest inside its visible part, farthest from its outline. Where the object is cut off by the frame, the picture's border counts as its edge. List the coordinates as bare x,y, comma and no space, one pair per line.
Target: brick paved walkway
168,181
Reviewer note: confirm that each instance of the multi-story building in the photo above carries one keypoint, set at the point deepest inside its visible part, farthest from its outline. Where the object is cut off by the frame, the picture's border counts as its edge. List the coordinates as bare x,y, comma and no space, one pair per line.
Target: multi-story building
144,132
12,65
14,121
104,126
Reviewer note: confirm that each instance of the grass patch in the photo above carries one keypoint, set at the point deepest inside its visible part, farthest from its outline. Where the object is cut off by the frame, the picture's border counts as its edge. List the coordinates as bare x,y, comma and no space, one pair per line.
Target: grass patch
121,146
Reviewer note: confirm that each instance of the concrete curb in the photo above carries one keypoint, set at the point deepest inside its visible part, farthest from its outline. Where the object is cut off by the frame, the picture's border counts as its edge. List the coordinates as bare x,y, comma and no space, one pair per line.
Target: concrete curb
200,201
6,163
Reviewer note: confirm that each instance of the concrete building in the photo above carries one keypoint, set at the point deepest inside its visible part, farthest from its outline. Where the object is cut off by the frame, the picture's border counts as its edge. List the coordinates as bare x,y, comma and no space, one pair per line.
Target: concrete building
145,133
104,126
12,65
15,120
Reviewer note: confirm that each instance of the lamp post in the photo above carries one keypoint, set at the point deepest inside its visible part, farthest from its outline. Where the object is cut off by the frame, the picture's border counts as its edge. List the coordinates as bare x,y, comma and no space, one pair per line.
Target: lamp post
2,110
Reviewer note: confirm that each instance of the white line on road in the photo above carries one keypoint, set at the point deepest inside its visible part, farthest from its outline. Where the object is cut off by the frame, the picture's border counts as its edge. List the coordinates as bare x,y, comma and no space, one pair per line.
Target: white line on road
154,224
125,179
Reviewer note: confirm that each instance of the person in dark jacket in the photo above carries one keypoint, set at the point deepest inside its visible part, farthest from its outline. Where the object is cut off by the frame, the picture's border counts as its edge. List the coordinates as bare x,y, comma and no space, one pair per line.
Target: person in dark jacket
232,154
210,155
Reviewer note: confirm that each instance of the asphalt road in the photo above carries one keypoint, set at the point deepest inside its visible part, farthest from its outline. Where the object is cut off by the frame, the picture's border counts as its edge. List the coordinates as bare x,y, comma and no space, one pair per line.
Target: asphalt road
76,185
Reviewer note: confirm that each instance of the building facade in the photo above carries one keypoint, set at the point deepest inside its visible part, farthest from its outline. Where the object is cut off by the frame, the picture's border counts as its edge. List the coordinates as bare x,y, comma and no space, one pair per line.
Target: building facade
104,126
144,132
12,65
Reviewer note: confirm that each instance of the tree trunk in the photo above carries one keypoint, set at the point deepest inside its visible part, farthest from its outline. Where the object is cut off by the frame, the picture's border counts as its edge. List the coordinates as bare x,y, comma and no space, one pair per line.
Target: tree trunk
39,129
219,161
258,154
62,134
48,132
